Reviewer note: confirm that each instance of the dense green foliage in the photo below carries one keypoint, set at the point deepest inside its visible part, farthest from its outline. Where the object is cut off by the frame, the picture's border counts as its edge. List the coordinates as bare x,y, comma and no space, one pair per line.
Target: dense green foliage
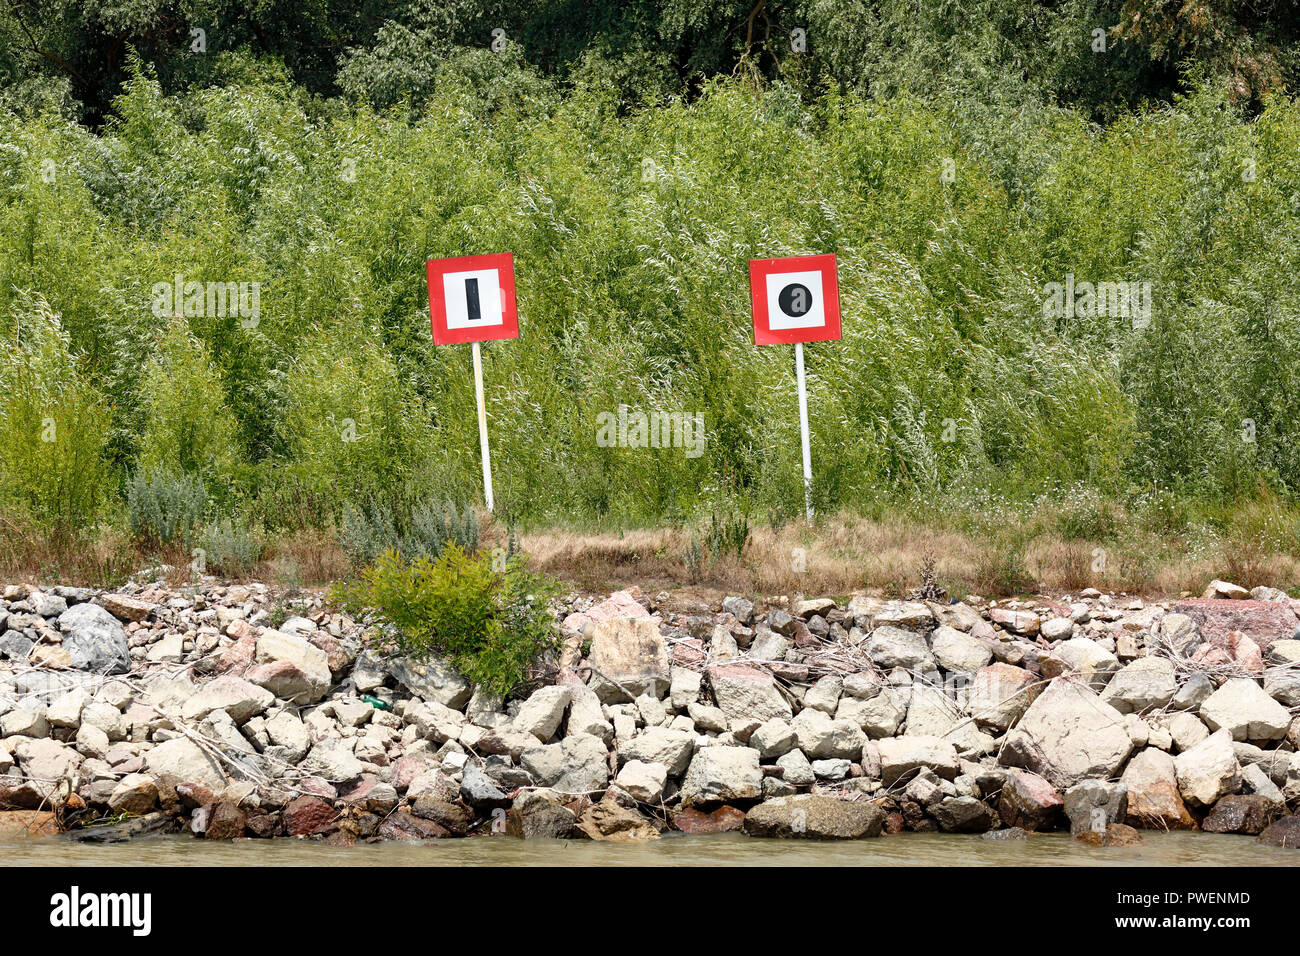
492,623
1097,55
933,157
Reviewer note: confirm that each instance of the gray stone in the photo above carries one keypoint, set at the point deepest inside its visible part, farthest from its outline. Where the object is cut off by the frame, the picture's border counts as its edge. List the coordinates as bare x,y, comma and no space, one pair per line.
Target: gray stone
825,694
1143,684
774,738
814,817
957,651
672,748
900,756
238,698
747,693
180,760
1242,708
1193,693
818,736
432,679
642,781
630,653
94,640
796,769
890,647
721,774
963,815
1069,734
575,765
1094,804
1209,770
541,713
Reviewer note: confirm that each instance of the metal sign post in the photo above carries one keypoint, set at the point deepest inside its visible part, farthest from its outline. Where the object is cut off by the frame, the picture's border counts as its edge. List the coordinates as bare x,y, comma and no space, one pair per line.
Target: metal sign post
472,299
796,300
482,427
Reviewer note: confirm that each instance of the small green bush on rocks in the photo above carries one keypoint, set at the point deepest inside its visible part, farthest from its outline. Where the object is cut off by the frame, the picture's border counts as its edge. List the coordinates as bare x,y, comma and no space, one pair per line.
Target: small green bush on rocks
488,617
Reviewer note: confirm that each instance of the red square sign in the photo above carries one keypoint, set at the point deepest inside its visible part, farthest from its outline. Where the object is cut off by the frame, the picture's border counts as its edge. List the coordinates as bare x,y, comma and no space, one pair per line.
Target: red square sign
795,299
472,299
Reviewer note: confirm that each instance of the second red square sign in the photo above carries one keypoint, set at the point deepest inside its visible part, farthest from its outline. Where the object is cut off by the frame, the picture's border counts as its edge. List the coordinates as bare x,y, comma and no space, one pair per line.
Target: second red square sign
795,299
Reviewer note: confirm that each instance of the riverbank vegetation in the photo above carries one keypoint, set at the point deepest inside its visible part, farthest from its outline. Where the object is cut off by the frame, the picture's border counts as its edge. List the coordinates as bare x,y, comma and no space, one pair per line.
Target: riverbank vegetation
974,186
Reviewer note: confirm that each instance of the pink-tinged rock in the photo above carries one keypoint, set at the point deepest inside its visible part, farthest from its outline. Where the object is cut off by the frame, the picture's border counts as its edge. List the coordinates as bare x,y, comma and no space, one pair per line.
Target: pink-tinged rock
618,604
688,653
238,657
408,767
305,815
126,608
1029,802
1211,656
240,629
1262,621
335,653
226,822
1245,652
1025,623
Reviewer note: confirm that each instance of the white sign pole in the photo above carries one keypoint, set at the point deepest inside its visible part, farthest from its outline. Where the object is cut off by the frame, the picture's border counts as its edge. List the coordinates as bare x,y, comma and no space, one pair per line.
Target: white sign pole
482,427
803,431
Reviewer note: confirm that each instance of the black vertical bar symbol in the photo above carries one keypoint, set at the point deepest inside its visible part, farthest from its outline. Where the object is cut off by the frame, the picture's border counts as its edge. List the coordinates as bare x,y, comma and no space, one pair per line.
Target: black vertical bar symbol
471,300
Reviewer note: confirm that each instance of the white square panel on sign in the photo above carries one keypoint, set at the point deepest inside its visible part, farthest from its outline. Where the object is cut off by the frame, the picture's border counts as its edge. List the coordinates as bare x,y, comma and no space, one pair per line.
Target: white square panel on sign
473,298
803,305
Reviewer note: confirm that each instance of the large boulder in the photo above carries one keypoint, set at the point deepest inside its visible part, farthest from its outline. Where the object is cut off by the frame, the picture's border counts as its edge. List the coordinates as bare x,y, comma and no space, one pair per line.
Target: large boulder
963,815
1283,832
1069,734
238,698
820,737
628,656
721,774
747,693
662,745
1141,685
180,760
1209,770
611,822
1262,621
1242,708
1029,802
1095,804
541,713
1153,797
577,764
432,678
814,817
1242,813
890,647
901,756
1000,694
94,640
957,651
1088,659
291,667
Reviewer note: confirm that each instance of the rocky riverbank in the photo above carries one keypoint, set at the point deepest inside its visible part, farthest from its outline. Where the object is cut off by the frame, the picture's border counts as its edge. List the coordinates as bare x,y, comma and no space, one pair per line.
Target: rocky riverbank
233,711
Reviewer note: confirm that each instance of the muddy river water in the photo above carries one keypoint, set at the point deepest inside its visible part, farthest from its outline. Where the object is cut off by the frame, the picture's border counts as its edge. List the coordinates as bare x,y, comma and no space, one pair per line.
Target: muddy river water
731,849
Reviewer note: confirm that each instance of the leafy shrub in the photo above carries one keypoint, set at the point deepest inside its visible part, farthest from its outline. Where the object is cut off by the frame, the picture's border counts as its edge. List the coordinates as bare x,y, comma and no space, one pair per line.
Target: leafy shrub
728,536
165,506
231,547
492,626
188,425
1083,514
53,424
422,532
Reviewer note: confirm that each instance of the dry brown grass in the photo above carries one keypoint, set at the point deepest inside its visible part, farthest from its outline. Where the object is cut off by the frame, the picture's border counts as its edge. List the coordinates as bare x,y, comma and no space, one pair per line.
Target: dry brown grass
841,555
847,553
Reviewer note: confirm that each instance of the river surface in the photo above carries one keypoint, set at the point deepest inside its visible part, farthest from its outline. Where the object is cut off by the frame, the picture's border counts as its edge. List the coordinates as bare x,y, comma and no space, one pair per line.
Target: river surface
727,849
